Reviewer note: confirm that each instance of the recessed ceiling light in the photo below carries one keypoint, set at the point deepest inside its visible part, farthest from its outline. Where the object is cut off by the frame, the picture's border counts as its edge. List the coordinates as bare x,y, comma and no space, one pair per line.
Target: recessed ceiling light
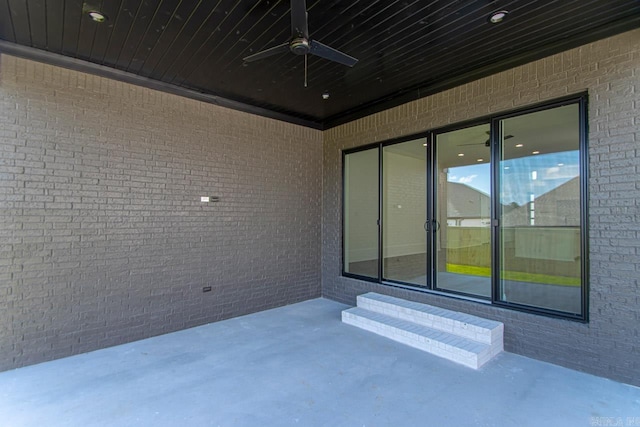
325,95
97,16
519,145
498,17
460,154
535,152
481,160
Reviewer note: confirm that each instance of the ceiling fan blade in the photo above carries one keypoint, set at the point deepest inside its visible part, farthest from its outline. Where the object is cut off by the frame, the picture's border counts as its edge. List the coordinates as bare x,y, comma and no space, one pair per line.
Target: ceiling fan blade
506,137
299,24
326,52
276,50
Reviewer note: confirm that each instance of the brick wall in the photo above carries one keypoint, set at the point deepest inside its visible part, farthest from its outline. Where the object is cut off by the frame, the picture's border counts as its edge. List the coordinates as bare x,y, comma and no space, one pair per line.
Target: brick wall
103,238
610,70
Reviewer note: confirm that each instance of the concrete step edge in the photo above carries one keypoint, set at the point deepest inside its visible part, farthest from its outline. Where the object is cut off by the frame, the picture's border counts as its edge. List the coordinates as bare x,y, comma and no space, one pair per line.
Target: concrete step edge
440,343
465,325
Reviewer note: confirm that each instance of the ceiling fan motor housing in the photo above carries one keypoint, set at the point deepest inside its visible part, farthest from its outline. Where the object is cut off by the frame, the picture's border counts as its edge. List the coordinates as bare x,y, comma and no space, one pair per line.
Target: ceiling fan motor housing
300,46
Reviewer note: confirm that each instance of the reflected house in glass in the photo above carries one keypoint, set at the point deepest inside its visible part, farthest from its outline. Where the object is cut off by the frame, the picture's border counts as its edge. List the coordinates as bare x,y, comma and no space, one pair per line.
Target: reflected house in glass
559,206
467,206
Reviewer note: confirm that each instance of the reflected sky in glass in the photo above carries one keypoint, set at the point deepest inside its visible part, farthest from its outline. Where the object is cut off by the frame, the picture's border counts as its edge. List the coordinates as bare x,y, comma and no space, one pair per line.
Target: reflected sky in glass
518,183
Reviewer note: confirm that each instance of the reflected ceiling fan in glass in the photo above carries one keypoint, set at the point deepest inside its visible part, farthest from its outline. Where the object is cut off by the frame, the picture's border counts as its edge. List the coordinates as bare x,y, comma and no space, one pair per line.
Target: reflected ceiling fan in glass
487,143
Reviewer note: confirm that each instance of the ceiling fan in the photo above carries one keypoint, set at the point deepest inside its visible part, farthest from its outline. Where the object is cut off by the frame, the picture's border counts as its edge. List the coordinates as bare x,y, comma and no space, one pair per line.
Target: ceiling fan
300,43
487,143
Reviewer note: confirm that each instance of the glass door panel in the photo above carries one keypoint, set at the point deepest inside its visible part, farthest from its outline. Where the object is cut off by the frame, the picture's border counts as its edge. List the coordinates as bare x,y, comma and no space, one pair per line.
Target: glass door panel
404,204
462,227
360,240
539,206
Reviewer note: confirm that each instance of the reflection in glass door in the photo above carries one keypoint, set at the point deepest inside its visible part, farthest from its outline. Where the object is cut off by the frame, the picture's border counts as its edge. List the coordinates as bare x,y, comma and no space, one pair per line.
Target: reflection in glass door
404,204
462,226
540,210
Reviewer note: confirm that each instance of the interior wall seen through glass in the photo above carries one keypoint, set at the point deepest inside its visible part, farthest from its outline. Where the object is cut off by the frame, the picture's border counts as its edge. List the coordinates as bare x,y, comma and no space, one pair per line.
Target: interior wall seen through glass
361,213
404,203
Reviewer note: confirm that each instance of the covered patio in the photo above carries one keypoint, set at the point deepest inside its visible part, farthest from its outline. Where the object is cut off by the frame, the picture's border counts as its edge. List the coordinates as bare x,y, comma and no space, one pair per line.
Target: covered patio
300,365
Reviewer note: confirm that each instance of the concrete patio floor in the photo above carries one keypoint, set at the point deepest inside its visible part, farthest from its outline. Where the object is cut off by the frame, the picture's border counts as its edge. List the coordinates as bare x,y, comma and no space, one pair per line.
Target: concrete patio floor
299,365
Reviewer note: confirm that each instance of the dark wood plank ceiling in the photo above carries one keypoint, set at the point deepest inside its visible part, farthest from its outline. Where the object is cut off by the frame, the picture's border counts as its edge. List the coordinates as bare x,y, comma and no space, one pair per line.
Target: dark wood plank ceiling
406,49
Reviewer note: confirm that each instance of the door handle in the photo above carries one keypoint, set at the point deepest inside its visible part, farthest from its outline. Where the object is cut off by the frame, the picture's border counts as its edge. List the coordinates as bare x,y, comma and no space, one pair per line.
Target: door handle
427,225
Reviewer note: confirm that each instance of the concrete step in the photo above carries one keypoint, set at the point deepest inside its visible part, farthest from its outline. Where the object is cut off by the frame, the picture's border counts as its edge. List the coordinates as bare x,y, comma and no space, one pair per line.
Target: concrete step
440,343
461,324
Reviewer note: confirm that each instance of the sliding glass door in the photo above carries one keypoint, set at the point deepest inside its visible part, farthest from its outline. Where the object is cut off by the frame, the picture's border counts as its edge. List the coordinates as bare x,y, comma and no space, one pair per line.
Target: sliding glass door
494,210
462,211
